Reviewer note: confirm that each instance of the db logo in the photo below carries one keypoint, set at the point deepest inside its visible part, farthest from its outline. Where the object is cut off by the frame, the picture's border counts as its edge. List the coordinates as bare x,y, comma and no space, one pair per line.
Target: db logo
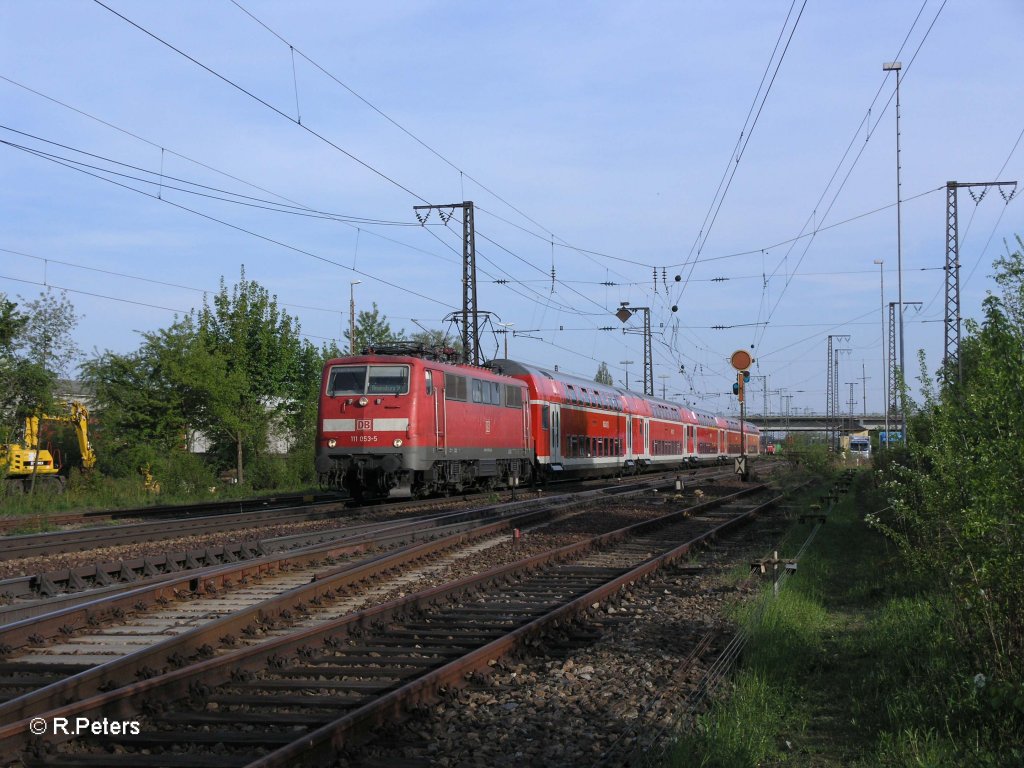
364,424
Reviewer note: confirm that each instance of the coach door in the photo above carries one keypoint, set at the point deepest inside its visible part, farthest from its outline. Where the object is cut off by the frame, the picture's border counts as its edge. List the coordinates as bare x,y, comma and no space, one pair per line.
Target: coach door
629,438
556,434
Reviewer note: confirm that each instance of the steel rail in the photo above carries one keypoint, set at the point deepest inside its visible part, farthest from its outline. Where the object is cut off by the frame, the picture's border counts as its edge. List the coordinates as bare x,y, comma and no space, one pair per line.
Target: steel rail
107,574
87,610
57,542
179,683
163,511
323,585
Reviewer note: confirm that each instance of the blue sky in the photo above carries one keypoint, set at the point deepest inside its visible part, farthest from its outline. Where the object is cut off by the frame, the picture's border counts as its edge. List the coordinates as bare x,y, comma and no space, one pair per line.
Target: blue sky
592,138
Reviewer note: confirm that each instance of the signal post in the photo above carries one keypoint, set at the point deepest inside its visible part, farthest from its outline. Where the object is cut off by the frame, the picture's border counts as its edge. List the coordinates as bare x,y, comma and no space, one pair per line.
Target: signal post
741,360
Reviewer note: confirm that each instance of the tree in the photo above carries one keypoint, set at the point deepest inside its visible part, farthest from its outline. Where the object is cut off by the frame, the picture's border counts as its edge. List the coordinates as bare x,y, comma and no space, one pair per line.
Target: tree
143,409
235,371
372,328
47,336
245,373
36,347
603,375
439,340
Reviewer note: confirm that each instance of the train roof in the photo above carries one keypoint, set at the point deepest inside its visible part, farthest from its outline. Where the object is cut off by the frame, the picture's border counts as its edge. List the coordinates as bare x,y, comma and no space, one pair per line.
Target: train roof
516,368
371,358
688,414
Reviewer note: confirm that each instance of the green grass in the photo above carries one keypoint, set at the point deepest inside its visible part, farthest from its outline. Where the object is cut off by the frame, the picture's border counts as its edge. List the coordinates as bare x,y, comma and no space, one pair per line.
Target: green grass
851,666
103,493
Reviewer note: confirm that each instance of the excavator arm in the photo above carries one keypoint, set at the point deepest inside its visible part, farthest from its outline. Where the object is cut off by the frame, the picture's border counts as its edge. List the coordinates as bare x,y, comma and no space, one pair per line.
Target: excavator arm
78,416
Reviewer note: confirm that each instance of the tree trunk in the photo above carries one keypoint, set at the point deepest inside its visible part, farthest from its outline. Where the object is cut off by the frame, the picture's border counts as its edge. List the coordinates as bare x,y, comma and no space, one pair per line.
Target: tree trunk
238,457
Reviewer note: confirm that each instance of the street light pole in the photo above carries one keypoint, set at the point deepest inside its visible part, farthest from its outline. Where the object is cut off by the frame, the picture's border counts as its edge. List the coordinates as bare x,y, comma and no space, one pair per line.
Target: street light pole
626,363
885,368
352,315
895,66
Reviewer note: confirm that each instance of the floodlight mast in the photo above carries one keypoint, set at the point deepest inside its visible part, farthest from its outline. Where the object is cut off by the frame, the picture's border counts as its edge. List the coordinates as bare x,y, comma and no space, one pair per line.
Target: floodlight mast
895,66
625,312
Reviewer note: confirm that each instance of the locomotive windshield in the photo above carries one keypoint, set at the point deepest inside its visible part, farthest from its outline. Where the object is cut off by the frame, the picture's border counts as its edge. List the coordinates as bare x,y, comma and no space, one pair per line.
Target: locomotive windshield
368,380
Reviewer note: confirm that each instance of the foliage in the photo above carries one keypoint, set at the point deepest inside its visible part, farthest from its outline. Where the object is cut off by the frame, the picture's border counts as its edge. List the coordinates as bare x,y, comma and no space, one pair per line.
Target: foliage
813,456
957,511
237,371
46,337
603,375
853,621
439,340
36,347
142,409
372,328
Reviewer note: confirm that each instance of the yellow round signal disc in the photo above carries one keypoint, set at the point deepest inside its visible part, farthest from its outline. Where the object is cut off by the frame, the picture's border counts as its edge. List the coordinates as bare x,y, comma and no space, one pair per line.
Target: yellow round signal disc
741,360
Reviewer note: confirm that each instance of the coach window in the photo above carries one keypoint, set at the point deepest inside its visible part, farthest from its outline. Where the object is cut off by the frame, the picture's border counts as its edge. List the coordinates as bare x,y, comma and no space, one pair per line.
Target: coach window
545,417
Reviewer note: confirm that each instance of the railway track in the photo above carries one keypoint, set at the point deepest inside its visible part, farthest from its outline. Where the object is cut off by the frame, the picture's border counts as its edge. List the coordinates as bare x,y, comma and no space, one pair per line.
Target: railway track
79,539
10,525
92,628
168,522
119,574
322,684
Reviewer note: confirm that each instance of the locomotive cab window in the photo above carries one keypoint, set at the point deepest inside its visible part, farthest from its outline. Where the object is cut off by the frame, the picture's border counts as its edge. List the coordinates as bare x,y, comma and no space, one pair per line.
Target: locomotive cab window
388,380
368,380
347,380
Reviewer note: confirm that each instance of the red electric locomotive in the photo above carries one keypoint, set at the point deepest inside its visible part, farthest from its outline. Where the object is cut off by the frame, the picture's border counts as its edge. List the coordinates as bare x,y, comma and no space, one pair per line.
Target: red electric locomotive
399,424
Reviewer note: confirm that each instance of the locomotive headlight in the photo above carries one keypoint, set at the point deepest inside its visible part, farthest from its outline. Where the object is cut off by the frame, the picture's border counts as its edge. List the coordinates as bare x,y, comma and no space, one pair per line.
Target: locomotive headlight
363,401
398,442
331,443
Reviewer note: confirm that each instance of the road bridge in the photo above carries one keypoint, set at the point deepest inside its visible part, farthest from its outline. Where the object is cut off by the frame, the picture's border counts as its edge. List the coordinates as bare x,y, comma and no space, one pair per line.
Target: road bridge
819,423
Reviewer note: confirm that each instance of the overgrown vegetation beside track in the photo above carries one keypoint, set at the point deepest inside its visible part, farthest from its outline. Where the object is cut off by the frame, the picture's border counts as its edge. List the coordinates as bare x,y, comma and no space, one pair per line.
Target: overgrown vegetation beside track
901,642
185,479
857,663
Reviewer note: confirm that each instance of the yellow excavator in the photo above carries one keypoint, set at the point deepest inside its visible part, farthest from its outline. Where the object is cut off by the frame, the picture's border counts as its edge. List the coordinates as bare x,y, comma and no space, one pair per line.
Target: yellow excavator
21,463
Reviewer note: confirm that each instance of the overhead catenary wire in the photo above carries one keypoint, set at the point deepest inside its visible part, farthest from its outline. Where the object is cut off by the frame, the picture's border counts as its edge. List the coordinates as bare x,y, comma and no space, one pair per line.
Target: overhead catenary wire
297,205
835,196
265,103
568,301
463,174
